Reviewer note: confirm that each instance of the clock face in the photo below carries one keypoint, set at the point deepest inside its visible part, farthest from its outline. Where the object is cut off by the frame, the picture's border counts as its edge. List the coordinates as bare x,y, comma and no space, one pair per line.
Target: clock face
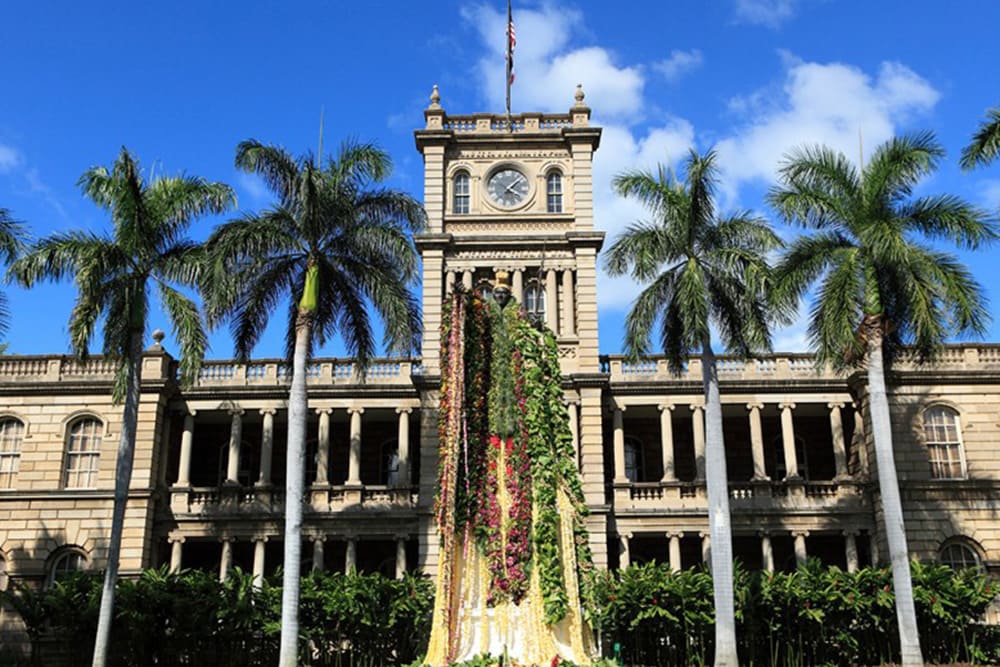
507,187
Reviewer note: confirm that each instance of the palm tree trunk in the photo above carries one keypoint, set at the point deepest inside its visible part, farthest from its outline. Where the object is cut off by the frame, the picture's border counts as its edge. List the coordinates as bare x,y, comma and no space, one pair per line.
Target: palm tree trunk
123,479
892,509
294,483
717,483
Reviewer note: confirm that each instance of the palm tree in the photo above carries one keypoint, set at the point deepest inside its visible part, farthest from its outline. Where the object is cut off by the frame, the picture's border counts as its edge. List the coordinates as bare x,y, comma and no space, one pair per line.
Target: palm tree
985,146
334,242
880,288
114,275
702,269
12,239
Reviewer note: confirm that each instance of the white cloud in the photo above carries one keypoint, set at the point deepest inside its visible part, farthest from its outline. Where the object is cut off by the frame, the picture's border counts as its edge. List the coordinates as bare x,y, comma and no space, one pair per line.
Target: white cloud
546,70
769,13
679,63
820,104
9,158
991,193
253,187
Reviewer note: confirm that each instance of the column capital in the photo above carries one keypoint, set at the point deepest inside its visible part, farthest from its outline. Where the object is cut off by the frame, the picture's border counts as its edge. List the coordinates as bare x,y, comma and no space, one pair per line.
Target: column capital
850,532
695,407
185,411
671,534
260,539
800,533
764,533
666,406
401,536
571,401
227,539
269,411
317,538
704,533
619,407
625,536
404,409
235,411
789,405
176,539
355,411
755,406
323,411
835,404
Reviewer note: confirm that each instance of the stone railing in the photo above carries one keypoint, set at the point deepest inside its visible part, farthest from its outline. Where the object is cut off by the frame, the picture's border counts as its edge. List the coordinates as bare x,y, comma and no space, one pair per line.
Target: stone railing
981,357
320,371
756,495
496,123
16,369
236,500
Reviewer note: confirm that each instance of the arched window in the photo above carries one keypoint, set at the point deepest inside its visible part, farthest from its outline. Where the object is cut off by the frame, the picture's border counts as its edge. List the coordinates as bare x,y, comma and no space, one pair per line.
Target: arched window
534,301
633,460
484,288
460,193
958,555
65,562
943,438
11,434
82,453
554,193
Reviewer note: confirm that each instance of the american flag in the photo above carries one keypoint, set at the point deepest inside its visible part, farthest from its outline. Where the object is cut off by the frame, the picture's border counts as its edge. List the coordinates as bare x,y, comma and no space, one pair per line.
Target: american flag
511,43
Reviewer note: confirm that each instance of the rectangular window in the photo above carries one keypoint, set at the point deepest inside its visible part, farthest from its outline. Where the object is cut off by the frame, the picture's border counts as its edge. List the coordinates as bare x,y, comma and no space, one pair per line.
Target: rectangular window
82,454
553,186
11,434
461,194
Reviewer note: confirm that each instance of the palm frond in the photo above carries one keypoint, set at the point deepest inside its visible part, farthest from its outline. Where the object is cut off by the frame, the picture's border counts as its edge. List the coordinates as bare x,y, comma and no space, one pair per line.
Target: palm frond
949,217
189,330
896,166
13,237
278,169
985,145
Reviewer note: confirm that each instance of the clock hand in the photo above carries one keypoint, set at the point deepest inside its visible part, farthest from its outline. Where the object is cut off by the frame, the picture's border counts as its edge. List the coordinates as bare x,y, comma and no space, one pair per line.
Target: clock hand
517,181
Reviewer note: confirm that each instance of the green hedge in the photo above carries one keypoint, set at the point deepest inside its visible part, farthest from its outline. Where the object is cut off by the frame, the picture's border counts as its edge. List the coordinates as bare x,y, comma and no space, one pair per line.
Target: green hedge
191,618
814,616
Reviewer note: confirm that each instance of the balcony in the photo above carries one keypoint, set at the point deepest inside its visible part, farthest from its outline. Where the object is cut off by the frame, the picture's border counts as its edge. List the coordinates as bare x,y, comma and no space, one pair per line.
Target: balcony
748,497
326,372
234,501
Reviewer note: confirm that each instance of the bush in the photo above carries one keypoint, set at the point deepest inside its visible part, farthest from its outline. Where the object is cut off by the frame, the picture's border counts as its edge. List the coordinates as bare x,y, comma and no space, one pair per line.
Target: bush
164,618
816,615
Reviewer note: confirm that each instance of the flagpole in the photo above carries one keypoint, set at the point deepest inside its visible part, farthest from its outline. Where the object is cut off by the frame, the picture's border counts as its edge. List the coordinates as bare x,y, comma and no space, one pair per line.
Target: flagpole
510,61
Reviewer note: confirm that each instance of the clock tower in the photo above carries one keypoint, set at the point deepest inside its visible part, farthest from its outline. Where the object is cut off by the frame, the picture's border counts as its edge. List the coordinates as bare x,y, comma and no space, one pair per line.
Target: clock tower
515,194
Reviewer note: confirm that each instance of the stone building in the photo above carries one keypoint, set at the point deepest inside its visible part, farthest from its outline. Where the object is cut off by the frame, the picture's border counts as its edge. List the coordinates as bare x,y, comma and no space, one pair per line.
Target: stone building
516,195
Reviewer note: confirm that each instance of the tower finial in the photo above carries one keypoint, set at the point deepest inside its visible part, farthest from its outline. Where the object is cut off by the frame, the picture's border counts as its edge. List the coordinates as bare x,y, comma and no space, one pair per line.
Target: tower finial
578,96
435,98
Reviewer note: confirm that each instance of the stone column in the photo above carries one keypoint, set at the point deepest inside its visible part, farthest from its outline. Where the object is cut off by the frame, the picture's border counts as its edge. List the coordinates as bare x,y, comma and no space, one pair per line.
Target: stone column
351,555
403,447
624,557
698,429
766,552
851,550
757,442
788,441
318,544
258,561
449,285
551,301
354,457
467,280
164,448
517,285
667,441
400,556
675,551
618,441
568,326
706,549
837,433
266,446
226,561
176,553
235,438
873,549
184,469
801,555
323,446
572,409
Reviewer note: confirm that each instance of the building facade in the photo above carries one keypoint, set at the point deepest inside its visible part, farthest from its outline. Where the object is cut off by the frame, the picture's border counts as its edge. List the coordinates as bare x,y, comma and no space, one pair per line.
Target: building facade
512,194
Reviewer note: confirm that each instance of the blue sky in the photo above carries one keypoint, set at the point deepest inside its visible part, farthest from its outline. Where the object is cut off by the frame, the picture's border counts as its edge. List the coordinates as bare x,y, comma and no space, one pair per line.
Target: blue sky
181,83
